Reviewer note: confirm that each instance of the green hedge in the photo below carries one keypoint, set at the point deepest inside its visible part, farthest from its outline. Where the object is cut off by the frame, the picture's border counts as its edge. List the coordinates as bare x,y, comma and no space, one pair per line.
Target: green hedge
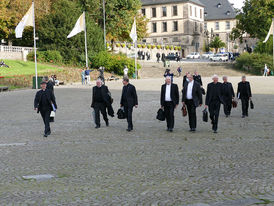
254,63
50,56
113,63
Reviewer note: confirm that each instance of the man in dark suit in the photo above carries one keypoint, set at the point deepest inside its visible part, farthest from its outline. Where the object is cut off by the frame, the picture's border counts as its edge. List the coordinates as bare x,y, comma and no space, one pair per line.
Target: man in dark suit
244,93
50,85
197,78
129,100
214,98
192,98
43,101
169,101
100,101
185,79
228,96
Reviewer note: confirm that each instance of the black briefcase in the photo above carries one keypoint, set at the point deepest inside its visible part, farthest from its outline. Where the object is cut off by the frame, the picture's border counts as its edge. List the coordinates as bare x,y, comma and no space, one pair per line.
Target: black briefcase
121,114
251,104
205,115
161,115
203,91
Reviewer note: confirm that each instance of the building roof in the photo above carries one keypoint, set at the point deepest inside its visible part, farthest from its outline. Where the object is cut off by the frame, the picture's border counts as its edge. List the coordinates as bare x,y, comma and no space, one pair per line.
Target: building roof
212,12
157,2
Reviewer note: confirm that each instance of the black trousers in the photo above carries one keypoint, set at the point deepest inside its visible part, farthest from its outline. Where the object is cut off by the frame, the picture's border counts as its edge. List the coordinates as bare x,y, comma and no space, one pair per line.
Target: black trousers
191,109
227,106
45,113
128,112
169,114
214,110
100,107
245,105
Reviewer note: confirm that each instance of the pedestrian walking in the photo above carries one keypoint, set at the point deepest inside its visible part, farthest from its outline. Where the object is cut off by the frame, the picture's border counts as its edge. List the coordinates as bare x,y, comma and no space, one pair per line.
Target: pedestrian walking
169,101
179,70
228,96
197,77
125,71
192,98
185,79
101,100
158,56
83,76
44,102
168,73
265,71
87,74
244,93
50,85
128,100
213,101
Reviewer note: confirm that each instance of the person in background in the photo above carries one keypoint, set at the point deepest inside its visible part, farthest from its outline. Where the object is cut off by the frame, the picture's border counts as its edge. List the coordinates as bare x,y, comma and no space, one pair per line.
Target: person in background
100,101
213,101
179,70
128,100
125,71
169,101
158,56
192,98
185,79
244,94
167,73
50,85
228,96
83,76
265,70
87,75
43,101
197,78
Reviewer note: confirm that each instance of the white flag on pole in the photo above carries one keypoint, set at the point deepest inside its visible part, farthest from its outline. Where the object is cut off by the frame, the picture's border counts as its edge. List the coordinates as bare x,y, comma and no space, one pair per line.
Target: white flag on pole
27,20
269,33
133,33
79,26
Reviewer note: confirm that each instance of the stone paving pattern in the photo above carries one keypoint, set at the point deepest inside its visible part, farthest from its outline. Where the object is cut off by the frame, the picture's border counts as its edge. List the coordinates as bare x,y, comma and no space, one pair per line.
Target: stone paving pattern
148,166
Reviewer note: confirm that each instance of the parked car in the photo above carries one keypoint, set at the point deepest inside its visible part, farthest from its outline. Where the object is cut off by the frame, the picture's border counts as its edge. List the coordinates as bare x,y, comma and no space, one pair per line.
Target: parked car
193,55
219,57
207,55
172,57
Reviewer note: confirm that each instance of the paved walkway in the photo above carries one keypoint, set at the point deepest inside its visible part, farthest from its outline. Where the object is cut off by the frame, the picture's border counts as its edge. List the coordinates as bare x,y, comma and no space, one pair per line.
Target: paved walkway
148,166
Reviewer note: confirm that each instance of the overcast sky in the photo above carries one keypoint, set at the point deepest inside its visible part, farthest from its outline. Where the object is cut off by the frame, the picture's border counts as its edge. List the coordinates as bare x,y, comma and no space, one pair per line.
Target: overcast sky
237,3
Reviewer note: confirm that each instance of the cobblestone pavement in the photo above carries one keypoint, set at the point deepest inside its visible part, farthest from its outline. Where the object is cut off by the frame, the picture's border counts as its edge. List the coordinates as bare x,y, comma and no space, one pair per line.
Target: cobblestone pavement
148,166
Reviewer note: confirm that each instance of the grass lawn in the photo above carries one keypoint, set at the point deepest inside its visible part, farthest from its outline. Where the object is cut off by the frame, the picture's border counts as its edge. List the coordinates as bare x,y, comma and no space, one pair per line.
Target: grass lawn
17,67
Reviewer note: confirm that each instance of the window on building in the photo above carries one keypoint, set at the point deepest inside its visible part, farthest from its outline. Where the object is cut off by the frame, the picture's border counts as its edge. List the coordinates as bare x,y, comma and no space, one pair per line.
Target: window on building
228,13
228,25
195,12
201,27
205,13
144,40
195,26
217,26
190,8
175,39
164,11
217,35
154,12
143,11
164,27
201,13
154,27
205,26
175,26
175,10
165,40
154,41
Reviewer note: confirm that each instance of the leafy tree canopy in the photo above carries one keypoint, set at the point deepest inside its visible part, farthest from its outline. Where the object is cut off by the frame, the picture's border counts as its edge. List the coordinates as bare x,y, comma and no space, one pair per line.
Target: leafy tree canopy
217,43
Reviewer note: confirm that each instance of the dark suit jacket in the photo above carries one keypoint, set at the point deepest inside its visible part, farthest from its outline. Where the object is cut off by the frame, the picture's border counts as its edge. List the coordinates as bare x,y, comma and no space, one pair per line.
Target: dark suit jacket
50,86
105,95
50,99
228,91
184,80
198,79
196,93
209,93
241,88
174,94
131,96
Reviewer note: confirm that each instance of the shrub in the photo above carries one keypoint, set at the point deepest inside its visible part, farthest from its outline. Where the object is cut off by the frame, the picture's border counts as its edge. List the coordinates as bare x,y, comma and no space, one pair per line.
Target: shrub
143,46
175,48
149,46
118,44
254,63
123,45
129,46
158,46
179,48
171,47
49,56
114,62
139,45
167,47
153,46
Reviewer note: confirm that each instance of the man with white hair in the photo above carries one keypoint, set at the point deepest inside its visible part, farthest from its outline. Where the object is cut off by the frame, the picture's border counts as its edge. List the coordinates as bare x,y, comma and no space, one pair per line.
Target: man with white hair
244,93
228,96
169,101
100,101
214,98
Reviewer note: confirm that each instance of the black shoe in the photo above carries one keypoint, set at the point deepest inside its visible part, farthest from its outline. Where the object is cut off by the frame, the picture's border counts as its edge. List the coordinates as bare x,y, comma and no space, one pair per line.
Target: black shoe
215,131
97,126
243,116
167,129
107,124
45,135
226,116
170,129
129,129
193,130
49,133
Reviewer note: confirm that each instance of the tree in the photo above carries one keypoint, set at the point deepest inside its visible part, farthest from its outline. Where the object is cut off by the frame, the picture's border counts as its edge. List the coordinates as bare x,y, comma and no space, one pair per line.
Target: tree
254,19
217,43
58,24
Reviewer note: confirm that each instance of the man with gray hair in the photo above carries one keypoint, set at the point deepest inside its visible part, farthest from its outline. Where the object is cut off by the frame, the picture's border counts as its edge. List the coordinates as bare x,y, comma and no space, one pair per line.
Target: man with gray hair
100,101
169,101
244,93
214,98
228,96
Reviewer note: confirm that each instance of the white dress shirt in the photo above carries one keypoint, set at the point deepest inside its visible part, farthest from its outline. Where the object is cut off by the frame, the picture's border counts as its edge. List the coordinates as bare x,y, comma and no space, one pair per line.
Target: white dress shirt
189,90
168,91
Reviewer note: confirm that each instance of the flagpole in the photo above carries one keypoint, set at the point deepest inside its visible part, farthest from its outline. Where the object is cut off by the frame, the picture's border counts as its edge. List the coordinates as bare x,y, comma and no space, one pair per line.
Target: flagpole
104,13
34,45
273,42
86,47
136,72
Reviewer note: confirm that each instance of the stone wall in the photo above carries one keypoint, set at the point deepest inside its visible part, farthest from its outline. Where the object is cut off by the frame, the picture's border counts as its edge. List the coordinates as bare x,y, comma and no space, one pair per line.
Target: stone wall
14,52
